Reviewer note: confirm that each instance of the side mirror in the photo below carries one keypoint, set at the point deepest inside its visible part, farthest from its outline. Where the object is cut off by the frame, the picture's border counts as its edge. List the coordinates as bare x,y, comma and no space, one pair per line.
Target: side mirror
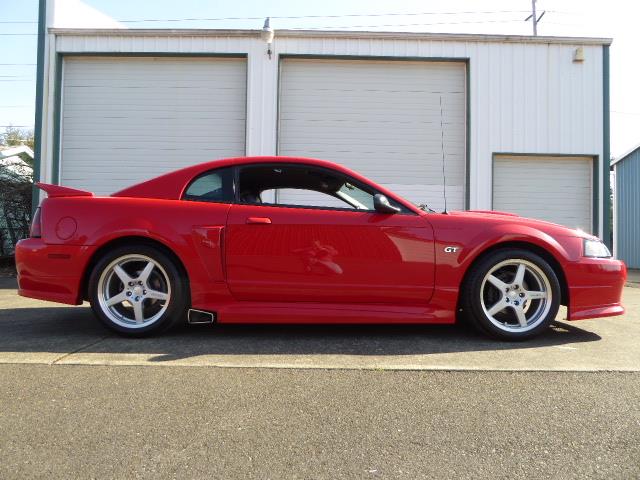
382,205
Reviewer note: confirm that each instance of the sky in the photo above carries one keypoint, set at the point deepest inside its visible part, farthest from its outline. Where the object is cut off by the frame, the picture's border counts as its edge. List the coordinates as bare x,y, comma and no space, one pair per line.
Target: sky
617,19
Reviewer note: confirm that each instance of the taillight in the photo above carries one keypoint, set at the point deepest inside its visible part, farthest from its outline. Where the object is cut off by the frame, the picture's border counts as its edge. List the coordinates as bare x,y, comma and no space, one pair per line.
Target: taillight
36,227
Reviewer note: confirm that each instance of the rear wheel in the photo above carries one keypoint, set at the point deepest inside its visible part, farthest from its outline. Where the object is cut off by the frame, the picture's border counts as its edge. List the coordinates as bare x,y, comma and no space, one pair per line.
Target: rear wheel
138,290
511,294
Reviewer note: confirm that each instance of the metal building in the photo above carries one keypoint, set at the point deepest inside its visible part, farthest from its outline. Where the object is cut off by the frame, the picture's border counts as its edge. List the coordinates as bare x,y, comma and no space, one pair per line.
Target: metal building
525,120
626,208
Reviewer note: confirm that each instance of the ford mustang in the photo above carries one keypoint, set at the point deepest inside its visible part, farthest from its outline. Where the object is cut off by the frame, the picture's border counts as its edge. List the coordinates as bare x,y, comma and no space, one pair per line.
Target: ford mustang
297,240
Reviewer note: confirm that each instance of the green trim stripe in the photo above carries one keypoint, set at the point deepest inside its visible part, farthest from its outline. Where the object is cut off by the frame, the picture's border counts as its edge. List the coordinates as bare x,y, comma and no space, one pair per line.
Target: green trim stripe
37,129
606,153
57,122
467,187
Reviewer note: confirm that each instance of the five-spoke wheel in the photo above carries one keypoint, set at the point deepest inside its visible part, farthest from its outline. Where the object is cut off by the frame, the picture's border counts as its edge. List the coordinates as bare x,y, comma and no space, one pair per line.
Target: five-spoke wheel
512,294
137,290
134,291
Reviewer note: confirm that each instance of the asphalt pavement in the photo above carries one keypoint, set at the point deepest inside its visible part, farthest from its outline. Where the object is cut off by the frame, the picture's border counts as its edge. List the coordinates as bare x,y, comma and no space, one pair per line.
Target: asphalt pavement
143,422
275,402
33,331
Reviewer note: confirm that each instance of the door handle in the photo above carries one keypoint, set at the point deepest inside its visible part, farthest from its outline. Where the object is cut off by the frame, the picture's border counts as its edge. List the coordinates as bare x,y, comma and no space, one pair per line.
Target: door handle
259,220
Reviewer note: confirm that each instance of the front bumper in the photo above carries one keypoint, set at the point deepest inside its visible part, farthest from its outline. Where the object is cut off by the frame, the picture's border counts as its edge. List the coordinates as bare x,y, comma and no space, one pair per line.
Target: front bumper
595,288
51,272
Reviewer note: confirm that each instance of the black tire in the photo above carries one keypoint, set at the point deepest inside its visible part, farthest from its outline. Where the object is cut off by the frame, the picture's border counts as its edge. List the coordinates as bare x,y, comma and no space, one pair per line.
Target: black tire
476,302
167,277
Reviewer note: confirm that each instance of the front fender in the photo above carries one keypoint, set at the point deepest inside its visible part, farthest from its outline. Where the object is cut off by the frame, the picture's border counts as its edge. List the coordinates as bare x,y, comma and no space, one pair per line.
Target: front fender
459,242
502,234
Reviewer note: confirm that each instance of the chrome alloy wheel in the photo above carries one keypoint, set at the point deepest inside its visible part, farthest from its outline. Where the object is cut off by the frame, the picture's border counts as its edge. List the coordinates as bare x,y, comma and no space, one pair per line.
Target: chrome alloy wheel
516,295
134,291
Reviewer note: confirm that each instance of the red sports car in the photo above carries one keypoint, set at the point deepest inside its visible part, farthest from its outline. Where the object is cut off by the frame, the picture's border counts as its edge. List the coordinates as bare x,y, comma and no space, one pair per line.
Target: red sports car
296,240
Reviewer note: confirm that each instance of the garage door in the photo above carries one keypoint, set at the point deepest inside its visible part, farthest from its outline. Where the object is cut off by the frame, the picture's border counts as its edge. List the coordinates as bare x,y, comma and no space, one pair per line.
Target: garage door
556,189
380,118
129,119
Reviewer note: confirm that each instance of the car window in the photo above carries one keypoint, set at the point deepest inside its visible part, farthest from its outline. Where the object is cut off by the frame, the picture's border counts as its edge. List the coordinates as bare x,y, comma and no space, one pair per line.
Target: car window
213,186
301,197
302,186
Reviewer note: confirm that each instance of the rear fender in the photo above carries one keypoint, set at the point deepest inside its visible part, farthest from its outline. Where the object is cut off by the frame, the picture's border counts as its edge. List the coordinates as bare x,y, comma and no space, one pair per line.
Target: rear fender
193,231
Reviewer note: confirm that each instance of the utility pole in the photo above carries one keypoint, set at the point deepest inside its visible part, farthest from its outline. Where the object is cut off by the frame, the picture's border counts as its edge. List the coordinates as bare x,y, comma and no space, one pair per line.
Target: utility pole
534,18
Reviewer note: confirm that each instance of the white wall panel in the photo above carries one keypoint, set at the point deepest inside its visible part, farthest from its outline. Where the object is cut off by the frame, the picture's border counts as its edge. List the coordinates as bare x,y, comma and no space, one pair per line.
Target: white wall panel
380,118
526,95
127,119
556,189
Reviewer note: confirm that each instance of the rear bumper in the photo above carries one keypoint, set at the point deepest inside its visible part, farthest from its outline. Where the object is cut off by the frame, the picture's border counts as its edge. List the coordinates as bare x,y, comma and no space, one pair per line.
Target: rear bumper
595,288
51,272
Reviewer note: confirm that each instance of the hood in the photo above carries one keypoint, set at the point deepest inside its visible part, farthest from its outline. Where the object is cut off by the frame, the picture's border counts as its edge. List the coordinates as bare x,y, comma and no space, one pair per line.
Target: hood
550,228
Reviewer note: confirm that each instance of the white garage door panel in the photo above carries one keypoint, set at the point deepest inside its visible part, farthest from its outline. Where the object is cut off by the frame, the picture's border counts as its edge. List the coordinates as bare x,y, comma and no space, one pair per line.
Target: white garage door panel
556,189
125,120
380,118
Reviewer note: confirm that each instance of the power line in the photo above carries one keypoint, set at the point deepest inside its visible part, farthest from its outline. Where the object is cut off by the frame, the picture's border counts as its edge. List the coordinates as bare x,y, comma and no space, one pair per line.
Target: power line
300,17
16,64
16,126
355,26
329,27
297,17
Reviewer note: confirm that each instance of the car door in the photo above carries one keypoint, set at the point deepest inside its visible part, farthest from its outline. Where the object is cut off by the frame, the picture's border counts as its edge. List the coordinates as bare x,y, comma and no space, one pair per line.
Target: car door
312,253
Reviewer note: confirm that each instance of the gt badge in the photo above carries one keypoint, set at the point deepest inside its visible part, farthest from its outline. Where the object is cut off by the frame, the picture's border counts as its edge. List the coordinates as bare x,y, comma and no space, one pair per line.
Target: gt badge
450,249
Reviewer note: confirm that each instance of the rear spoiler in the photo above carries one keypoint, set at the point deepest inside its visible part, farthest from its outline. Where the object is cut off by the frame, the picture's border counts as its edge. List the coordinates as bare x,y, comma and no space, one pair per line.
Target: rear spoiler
60,191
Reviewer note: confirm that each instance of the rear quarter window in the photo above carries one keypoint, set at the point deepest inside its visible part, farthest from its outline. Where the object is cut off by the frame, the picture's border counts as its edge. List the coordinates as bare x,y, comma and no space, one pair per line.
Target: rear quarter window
212,186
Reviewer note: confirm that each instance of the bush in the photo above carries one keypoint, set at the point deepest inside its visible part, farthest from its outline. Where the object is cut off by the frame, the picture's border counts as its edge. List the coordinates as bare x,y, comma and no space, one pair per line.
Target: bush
16,189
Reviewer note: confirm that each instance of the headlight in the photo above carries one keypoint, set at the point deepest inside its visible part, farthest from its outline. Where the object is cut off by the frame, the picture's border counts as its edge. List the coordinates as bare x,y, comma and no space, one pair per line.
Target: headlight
595,248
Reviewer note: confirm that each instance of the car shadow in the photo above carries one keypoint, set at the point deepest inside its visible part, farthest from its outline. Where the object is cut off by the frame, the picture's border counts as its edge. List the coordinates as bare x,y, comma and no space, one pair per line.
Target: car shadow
70,329
8,283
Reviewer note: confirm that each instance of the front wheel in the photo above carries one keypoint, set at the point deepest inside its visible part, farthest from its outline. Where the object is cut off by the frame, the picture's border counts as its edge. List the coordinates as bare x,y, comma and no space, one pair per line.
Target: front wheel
511,294
137,291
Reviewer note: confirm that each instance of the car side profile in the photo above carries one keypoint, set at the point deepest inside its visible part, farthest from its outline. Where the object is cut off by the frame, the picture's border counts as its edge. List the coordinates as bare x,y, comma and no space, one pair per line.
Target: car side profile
297,240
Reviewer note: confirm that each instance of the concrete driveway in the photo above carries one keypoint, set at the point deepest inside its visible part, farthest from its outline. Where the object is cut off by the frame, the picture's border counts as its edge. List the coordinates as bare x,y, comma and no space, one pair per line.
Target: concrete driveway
44,333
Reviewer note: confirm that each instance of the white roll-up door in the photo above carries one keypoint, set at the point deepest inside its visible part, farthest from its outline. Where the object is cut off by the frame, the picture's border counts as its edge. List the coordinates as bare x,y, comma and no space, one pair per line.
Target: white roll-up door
127,119
556,189
380,118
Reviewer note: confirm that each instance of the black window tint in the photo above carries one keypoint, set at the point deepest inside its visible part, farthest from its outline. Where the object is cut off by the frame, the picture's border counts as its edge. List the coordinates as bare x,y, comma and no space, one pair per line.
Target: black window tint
304,186
213,186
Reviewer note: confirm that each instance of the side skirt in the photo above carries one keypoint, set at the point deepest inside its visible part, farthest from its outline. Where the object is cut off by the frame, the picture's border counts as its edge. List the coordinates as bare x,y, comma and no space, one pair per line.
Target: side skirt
314,313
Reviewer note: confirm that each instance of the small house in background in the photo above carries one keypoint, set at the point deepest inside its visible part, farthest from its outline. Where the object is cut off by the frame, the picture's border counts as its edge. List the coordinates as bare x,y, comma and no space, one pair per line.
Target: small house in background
16,178
626,208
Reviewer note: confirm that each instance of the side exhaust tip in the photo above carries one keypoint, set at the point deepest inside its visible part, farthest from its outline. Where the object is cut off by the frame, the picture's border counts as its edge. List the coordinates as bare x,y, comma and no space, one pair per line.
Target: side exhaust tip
199,317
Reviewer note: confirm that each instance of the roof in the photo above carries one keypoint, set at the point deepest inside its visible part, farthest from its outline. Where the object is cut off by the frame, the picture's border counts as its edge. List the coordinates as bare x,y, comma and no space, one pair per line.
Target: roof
6,152
342,34
171,185
625,155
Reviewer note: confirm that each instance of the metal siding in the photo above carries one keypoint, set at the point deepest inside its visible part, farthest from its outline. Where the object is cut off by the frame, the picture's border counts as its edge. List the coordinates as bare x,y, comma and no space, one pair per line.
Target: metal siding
125,120
525,97
628,209
556,189
381,118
